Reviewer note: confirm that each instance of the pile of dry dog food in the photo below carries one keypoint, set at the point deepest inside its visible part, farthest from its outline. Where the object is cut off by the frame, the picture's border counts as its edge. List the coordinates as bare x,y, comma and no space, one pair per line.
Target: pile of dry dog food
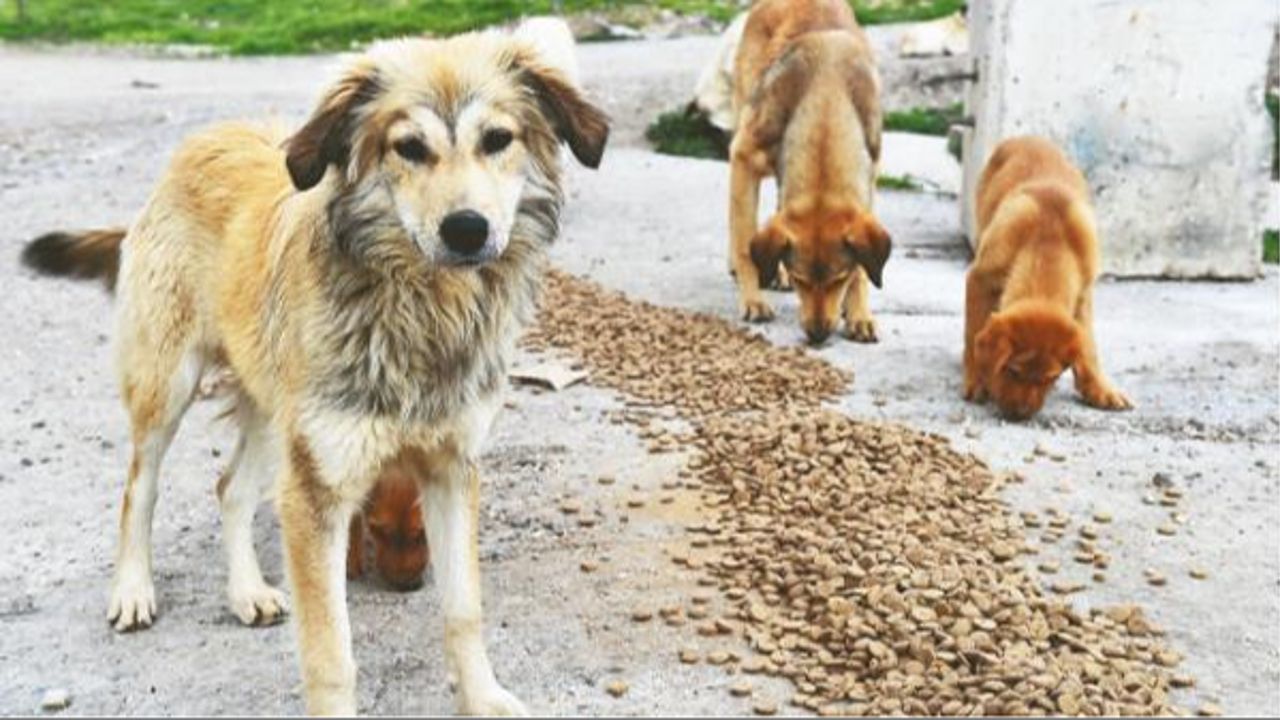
872,565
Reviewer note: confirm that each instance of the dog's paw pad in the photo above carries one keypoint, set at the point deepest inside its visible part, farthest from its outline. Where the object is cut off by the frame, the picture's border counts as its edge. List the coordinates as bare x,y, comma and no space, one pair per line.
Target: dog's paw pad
756,311
133,606
863,331
260,606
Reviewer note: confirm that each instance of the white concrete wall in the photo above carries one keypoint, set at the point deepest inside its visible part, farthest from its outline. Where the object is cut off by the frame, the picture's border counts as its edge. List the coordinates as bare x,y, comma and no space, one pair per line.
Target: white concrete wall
1160,102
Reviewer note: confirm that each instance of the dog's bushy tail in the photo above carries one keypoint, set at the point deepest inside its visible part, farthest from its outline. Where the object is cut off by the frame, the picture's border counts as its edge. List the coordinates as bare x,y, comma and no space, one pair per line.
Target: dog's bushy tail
84,255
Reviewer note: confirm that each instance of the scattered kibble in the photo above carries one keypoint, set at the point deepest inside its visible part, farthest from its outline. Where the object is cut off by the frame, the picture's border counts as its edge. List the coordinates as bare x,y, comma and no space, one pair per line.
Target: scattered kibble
860,561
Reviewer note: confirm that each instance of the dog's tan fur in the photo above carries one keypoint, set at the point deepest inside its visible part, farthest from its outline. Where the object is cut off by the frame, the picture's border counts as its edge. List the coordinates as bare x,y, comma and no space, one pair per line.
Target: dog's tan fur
316,274
806,97
1029,292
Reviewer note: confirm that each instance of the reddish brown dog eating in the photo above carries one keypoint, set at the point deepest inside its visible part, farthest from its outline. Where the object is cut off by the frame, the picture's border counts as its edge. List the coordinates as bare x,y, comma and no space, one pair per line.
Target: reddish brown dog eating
1029,292
393,517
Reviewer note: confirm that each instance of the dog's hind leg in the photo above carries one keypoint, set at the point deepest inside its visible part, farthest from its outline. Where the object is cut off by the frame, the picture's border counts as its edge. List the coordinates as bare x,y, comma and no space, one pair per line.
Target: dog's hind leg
156,394
451,507
240,489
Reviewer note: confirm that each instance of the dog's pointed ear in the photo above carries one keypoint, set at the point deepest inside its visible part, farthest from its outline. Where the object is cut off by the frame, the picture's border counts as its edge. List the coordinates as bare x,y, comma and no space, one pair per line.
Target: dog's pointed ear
578,123
325,139
770,246
871,246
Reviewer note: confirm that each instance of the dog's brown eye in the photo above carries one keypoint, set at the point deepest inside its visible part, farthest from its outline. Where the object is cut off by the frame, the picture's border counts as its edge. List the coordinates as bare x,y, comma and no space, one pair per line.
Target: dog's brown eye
411,149
495,141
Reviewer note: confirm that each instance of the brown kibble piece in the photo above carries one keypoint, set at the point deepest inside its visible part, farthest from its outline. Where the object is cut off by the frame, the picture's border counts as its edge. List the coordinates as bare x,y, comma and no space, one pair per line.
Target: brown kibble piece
689,656
617,688
765,708
742,688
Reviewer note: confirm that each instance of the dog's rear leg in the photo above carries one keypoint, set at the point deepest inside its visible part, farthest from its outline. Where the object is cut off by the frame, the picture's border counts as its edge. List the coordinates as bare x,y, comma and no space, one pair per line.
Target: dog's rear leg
239,494
451,508
156,400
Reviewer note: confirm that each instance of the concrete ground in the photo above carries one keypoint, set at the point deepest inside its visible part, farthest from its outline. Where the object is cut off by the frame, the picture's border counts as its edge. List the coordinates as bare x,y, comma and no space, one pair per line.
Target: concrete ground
86,133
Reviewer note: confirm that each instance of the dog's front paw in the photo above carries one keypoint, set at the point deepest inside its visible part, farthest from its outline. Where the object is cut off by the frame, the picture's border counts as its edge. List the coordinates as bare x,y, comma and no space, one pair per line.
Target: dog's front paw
258,605
1105,397
493,700
861,330
133,602
756,310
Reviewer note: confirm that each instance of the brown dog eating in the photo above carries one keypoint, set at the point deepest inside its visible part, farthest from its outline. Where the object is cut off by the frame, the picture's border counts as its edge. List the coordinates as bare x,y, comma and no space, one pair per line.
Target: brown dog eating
393,516
1029,292
806,97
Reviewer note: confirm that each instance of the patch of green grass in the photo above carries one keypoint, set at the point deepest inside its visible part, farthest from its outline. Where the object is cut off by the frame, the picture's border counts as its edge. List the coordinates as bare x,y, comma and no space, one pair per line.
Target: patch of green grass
262,27
688,133
924,121
898,182
1271,246
882,12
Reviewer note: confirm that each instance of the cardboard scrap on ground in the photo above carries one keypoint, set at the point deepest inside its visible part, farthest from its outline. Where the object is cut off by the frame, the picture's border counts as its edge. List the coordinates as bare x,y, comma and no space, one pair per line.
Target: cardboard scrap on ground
551,375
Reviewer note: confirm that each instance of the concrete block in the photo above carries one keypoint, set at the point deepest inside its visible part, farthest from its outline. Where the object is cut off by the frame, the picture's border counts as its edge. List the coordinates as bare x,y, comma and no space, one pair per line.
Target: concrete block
1160,102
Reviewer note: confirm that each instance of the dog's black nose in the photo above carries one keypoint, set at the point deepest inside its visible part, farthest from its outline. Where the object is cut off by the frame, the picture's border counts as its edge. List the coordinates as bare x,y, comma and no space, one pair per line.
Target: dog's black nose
464,232
817,335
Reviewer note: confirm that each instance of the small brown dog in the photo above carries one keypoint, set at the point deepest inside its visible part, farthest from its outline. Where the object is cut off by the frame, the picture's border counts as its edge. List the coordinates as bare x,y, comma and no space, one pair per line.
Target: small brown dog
806,97
393,516
1029,292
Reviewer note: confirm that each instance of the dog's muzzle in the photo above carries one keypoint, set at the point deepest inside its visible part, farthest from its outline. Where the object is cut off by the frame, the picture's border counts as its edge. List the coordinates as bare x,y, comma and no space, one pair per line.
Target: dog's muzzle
468,238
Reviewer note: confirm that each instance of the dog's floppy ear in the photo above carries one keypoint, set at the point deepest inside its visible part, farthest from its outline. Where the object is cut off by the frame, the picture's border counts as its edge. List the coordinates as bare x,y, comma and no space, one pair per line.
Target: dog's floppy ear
993,347
326,137
871,246
578,123
770,246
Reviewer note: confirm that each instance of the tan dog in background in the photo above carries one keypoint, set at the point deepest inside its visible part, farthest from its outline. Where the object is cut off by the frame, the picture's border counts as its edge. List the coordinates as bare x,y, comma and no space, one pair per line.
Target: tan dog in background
806,97
1029,292
364,280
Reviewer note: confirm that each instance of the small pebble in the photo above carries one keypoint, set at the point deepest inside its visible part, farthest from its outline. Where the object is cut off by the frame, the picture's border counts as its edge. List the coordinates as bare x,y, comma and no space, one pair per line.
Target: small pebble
55,699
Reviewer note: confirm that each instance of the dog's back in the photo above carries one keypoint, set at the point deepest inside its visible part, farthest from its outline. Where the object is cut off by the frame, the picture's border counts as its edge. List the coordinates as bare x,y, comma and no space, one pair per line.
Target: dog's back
771,28
1033,208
